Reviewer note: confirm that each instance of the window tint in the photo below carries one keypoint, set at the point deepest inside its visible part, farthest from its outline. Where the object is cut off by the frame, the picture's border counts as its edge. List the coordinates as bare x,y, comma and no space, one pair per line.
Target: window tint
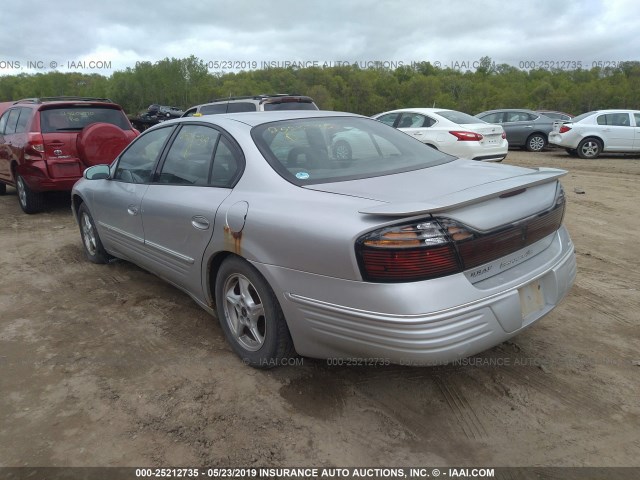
189,159
213,109
235,107
12,121
137,162
225,165
389,118
76,118
635,115
25,115
616,119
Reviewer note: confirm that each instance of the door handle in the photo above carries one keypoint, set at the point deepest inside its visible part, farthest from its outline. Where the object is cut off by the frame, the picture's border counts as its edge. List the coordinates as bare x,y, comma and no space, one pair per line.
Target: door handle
132,210
200,222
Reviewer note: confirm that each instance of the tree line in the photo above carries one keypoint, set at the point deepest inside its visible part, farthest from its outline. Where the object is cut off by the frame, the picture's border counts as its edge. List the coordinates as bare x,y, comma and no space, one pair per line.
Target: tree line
186,82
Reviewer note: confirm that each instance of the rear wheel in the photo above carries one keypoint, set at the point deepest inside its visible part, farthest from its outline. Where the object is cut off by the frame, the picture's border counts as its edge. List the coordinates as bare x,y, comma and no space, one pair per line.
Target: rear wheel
589,148
93,248
250,315
30,201
536,142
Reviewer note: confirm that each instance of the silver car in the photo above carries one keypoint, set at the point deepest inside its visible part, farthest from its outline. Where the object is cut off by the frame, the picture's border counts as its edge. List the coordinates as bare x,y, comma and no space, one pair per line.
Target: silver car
403,254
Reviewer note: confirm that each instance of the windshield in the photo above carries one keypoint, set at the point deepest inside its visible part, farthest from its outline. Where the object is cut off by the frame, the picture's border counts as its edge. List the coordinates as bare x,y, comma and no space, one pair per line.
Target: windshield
332,149
459,117
76,118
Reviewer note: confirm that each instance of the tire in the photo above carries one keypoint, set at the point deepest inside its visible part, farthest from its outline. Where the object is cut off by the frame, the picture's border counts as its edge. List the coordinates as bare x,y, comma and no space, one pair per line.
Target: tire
3,188
250,315
572,152
589,148
91,243
536,142
342,151
30,201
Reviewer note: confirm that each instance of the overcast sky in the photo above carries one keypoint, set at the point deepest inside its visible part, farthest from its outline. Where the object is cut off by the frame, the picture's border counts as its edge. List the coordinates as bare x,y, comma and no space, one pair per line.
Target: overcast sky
73,35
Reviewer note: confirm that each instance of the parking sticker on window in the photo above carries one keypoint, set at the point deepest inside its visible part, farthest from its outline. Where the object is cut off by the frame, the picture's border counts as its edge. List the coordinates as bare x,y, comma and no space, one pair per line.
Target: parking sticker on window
302,175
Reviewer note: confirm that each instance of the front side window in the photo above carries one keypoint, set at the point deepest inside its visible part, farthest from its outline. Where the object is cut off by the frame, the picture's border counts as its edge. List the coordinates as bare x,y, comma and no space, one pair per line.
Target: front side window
389,118
137,162
188,161
330,149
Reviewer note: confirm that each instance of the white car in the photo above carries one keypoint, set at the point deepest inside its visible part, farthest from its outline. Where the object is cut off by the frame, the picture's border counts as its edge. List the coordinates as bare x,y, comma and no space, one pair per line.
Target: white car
590,134
451,132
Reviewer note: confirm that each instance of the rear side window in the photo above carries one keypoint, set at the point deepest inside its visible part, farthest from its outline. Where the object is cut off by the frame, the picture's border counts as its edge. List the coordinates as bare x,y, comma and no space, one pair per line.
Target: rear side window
12,121
77,117
615,119
389,118
635,115
235,107
213,109
225,165
493,117
25,115
189,159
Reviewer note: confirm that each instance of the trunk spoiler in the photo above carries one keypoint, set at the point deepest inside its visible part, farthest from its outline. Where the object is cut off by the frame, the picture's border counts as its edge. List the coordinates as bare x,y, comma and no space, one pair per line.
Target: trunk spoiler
467,196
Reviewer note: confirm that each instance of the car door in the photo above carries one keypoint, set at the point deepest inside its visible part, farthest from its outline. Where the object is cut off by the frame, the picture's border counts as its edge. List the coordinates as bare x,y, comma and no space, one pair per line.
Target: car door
179,207
518,126
117,201
419,127
617,131
5,149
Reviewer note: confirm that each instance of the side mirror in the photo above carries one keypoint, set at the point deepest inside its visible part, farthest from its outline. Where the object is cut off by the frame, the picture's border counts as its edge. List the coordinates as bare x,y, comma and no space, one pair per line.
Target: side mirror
97,172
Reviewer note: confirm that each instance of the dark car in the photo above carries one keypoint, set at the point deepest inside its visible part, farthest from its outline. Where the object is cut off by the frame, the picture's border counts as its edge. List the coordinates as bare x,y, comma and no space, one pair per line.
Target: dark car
524,128
46,143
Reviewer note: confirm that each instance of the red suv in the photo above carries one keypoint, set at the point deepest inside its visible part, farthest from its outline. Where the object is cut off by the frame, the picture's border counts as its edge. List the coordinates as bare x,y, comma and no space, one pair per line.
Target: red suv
46,143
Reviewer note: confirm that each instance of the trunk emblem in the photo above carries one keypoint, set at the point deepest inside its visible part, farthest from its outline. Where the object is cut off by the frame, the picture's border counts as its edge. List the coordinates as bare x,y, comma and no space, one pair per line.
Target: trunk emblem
57,152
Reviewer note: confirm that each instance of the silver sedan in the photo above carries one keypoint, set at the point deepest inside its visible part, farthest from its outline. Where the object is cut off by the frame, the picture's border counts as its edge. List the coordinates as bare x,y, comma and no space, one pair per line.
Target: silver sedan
399,254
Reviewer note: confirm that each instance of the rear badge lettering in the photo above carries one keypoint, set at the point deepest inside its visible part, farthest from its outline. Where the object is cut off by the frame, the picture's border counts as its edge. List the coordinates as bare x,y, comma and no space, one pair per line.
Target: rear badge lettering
481,271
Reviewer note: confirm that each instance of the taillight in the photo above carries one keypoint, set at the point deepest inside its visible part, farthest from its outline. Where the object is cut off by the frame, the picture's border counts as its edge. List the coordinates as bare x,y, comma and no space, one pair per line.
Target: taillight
409,252
434,248
34,148
564,129
466,136
504,135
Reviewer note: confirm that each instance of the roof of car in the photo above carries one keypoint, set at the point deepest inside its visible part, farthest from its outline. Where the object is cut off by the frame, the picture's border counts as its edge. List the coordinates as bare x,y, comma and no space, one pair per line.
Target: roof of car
257,118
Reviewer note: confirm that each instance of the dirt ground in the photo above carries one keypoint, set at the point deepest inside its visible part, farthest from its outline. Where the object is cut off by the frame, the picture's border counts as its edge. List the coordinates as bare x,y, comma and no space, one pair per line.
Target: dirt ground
110,366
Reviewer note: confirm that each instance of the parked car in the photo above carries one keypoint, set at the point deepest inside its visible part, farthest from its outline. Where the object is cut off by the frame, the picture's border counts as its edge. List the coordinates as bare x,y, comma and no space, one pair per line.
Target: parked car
46,143
405,255
255,103
451,132
590,134
553,115
524,128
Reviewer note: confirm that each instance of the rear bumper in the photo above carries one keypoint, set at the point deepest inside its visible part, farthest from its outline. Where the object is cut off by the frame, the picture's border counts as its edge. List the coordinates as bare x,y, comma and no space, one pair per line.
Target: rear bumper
38,177
422,323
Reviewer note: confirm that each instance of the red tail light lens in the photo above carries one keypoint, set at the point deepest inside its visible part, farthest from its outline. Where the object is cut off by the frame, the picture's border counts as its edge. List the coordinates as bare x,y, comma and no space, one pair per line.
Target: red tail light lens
438,247
466,136
34,148
406,253
504,135
564,129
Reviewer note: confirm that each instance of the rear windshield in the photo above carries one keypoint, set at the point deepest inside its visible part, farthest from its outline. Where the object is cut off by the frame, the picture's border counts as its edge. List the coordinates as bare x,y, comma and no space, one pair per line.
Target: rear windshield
76,118
459,117
581,117
333,149
290,105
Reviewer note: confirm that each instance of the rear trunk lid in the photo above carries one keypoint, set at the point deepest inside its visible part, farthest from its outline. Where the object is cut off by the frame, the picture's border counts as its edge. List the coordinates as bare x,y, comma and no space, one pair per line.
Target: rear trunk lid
492,133
481,195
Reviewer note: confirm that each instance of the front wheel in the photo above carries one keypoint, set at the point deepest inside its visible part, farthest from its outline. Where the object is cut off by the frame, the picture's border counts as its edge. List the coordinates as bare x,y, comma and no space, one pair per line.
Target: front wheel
93,248
30,201
536,143
250,315
589,148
